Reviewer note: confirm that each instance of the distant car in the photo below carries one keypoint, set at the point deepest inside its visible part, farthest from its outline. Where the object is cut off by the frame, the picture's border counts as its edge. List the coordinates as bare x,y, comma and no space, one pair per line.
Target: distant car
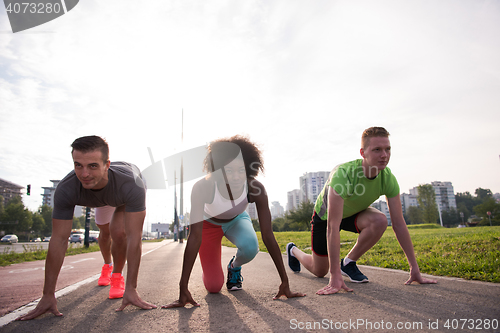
38,239
9,239
46,239
77,238
93,239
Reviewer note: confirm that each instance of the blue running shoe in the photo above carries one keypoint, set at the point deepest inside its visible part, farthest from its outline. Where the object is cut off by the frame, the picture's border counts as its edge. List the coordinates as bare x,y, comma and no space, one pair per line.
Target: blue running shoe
234,277
351,270
293,262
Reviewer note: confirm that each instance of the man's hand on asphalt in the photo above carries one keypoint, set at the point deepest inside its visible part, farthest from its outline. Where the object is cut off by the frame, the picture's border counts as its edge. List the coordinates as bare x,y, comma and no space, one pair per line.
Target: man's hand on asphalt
132,298
184,298
336,284
417,277
46,304
285,291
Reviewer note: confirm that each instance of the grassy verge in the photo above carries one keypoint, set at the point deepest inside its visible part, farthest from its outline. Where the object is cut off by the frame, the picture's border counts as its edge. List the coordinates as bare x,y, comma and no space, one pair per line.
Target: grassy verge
37,253
32,254
469,253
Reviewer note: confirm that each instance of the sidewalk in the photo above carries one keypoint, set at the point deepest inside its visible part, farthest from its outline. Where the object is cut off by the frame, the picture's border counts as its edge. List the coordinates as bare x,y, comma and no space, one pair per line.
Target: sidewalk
384,304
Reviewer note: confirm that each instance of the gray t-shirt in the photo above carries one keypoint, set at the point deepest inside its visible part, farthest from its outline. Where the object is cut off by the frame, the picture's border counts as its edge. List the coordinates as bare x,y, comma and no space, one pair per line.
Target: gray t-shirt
125,187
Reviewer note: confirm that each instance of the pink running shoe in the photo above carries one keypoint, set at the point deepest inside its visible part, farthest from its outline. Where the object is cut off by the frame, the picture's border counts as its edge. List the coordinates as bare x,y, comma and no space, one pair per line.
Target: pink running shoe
105,278
117,286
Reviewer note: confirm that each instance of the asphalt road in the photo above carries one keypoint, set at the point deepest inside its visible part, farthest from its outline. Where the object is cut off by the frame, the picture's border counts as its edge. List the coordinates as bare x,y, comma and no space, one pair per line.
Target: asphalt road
384,304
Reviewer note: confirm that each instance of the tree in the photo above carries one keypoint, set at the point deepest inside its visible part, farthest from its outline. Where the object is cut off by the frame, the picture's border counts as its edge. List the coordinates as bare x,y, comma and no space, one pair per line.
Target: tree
302,215
489,205
279,223
414,215
461,208
483,194
16,212
427,202
1,207
78,222
450,218
46,212
256,225
38,224
466,202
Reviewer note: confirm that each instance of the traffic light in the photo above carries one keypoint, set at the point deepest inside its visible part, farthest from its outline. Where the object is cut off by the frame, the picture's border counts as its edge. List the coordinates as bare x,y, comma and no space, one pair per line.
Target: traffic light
28,189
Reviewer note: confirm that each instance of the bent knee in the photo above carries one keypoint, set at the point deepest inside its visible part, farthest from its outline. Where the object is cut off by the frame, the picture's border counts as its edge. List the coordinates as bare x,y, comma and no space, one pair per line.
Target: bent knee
248,250
213,288
321,265
379,221
249,254
213,284
320,272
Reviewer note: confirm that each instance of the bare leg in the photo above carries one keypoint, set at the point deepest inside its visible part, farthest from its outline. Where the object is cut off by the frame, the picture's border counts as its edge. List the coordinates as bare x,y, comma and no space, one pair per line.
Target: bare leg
372,225
119,243
105,242
315,264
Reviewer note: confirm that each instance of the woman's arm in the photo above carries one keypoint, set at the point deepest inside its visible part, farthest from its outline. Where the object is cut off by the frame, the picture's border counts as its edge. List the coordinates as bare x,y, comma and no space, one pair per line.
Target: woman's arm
198,200
258,195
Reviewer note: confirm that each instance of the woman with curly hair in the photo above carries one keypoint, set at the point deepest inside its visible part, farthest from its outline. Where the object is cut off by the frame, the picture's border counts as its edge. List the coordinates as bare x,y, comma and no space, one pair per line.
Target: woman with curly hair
219,201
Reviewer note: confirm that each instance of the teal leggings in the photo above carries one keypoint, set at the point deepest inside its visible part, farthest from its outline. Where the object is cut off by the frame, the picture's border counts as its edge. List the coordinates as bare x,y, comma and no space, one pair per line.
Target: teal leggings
240,232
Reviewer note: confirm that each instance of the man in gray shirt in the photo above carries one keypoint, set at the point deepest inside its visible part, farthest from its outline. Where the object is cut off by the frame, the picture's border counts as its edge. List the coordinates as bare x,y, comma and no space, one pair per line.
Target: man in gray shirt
95,182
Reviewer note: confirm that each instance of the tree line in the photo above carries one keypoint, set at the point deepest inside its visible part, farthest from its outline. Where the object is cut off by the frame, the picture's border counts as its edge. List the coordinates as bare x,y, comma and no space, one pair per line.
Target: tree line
16,219
473,209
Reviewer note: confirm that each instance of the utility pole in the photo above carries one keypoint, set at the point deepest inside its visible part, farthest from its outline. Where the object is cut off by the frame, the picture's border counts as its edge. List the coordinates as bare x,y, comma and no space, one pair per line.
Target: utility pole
182,230
176,220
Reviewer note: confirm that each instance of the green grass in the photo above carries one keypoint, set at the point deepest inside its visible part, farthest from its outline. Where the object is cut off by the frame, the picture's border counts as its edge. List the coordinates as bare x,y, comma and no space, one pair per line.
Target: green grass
32,254
37,253
468,253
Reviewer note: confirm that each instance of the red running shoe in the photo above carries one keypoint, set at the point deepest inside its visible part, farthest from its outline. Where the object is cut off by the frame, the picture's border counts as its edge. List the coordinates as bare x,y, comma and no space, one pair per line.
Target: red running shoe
105,278
117,286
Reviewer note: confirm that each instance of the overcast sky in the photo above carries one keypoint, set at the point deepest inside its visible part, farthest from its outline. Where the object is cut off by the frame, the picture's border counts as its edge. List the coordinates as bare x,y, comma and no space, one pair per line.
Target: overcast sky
301,78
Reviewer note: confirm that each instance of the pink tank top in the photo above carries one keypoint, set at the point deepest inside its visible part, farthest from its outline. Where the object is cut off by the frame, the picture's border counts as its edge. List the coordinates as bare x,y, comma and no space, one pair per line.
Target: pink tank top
225,209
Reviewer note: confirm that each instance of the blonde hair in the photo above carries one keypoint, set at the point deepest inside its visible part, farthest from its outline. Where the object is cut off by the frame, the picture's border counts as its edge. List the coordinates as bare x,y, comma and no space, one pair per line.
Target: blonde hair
372,132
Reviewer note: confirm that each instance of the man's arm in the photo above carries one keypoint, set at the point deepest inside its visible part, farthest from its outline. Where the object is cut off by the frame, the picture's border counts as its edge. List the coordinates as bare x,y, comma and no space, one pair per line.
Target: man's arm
404,239
61,230
335,211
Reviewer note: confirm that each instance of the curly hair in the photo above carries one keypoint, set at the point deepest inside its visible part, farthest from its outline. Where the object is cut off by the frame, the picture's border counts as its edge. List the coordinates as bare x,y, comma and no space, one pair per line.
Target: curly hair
223,151
372,132
90,143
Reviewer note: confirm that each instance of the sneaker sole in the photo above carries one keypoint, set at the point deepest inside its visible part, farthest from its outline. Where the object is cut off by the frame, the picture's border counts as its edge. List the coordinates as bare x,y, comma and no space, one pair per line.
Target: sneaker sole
234,288
355,281
289,257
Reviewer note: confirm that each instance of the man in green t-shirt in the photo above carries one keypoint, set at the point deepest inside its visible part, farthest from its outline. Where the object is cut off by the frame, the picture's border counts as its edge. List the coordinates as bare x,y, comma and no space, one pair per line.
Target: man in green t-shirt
344,203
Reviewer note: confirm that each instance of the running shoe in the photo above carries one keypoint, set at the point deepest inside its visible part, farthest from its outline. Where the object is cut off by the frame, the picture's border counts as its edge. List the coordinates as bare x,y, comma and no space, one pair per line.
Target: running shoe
117,286
234,277
293,262
105,278
351,270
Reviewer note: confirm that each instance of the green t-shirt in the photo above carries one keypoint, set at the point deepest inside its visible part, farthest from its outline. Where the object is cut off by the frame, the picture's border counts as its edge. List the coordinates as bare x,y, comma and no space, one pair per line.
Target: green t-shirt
358,191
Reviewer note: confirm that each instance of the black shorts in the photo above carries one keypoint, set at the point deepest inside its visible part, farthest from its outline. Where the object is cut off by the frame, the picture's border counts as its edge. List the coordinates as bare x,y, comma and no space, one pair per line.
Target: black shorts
318,232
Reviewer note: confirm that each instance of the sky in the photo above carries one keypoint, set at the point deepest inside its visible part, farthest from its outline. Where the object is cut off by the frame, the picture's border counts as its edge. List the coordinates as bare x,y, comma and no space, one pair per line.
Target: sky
302,79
